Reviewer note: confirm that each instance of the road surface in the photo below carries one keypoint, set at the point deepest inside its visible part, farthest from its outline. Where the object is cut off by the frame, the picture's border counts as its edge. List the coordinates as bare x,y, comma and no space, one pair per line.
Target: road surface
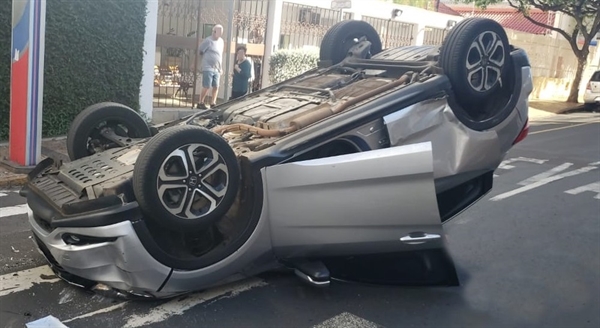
527,256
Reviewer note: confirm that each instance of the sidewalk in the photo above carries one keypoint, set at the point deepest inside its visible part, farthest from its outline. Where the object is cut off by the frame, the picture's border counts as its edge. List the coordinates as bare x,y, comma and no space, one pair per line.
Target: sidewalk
56,147
555,106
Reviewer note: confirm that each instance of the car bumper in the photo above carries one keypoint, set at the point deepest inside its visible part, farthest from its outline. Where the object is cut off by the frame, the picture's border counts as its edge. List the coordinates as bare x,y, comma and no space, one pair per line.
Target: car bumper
591,98
112,259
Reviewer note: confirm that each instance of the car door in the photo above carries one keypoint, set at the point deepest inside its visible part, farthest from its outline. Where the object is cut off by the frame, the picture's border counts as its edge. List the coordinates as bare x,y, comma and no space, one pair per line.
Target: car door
371,202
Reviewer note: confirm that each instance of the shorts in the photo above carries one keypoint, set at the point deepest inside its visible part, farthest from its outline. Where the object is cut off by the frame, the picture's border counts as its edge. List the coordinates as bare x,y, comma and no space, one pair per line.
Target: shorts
210,78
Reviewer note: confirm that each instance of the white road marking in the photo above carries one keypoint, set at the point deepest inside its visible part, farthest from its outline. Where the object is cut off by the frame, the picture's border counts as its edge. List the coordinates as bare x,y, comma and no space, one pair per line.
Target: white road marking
595,163
93,313
177,307
543,182
23,280
562,128
347,320
545,175
505,164
13,210
3,194
593,187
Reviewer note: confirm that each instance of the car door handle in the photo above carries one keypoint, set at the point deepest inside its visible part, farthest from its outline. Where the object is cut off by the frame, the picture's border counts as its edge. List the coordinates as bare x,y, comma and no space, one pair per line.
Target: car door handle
419,239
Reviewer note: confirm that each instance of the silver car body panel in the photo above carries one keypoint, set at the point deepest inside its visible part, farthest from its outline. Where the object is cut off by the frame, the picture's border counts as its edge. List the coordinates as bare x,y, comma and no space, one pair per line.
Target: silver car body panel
320,207
456,148
123,264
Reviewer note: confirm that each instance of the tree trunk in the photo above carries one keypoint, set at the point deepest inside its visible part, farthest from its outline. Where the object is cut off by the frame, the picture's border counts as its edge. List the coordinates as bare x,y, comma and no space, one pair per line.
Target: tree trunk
574,94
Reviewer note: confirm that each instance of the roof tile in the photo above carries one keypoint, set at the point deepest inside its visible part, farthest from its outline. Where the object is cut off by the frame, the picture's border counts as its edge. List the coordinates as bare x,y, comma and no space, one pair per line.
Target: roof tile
510,18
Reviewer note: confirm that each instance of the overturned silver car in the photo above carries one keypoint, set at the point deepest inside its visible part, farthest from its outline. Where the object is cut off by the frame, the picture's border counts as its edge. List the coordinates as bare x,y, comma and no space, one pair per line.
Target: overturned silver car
346,172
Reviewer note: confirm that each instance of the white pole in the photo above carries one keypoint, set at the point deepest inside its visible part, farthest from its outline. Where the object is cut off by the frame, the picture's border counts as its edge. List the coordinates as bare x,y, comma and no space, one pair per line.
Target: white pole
271,37
227,70
26,94
147,83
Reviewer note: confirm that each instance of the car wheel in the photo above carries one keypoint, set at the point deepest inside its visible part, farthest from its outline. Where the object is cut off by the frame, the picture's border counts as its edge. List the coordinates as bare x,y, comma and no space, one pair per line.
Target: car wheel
475,56
186,177
85,133
340,38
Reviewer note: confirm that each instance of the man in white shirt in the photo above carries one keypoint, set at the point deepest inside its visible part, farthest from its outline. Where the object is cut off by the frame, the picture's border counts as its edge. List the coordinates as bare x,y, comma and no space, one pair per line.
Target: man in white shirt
211,50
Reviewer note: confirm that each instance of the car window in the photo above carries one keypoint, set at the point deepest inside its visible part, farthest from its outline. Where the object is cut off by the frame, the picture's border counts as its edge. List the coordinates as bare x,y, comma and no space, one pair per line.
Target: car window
596,77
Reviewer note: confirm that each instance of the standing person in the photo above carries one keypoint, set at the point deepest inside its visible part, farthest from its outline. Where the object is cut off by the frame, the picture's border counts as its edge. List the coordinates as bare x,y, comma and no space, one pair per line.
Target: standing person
242,71
211,50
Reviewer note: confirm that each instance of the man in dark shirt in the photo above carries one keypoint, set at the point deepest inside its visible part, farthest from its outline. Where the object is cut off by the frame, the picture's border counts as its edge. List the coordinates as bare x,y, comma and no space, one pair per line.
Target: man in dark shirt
241,73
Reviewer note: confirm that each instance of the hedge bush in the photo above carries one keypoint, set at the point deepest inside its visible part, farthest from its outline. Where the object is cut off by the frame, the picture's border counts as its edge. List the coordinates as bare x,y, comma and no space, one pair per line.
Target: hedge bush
5,44
94,53
285,64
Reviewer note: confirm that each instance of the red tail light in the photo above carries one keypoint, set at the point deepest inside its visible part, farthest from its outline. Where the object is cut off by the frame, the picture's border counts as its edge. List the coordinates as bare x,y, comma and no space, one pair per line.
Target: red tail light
523,134
589,86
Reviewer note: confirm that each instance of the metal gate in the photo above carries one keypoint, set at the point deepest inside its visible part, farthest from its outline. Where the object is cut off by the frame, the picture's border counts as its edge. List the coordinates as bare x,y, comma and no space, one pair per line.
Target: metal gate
175,56
183,24
434,36
249,28
393,33
303,25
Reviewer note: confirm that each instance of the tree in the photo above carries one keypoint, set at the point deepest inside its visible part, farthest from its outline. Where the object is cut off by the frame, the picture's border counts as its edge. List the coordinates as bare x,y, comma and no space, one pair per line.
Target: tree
585,13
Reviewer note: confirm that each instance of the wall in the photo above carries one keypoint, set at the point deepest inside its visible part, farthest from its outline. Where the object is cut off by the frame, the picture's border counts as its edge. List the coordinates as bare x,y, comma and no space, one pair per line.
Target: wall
553,64
421,17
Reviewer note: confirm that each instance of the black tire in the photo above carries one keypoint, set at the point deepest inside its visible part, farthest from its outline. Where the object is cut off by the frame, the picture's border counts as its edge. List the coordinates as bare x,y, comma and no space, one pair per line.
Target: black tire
86,123
340,38
162,206
457,54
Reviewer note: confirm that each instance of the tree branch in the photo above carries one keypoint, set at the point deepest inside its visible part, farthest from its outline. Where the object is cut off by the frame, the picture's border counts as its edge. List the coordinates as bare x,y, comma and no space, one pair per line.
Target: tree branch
555,29
573,42
546,7
595,26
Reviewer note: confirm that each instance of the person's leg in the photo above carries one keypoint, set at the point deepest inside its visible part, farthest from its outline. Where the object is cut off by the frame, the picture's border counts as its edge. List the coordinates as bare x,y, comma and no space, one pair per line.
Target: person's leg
215,88
206,80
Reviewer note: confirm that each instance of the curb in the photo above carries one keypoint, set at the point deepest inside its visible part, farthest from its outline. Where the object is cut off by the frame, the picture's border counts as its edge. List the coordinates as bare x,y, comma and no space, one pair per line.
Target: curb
15,181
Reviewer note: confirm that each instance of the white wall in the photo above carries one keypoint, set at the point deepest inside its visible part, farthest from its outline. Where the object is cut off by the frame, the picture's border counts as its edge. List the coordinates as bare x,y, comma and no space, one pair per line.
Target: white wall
147,83
383,9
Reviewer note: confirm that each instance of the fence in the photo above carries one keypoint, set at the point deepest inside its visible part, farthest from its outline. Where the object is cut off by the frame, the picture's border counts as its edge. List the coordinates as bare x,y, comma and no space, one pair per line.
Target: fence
393,33
303,25
183,24
434,36
174,74
250,26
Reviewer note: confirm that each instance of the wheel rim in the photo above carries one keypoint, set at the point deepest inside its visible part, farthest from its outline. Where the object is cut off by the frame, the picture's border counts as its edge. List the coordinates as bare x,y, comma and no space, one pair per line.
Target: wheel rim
485,60
192,181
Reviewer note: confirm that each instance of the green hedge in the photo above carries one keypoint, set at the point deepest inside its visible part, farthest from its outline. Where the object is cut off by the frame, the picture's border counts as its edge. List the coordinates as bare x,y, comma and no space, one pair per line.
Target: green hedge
94,53
285,64
5,44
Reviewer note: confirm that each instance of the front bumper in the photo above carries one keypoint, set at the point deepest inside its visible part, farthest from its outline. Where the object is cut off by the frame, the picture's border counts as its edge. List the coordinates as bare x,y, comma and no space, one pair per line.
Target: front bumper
591,98
109,257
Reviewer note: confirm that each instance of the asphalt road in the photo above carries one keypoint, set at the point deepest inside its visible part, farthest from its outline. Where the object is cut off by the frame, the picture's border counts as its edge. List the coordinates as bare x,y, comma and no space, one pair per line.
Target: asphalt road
528,255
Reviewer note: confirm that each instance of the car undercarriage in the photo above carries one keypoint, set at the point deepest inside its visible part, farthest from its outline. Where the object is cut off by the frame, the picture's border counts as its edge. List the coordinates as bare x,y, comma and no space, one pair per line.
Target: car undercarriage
365,156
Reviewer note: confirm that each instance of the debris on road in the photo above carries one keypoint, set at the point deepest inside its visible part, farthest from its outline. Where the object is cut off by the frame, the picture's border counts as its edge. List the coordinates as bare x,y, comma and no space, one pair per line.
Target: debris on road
49,321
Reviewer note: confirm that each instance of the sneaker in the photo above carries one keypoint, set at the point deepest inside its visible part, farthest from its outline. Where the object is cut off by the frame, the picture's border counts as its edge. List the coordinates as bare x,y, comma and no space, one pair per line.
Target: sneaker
201,106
